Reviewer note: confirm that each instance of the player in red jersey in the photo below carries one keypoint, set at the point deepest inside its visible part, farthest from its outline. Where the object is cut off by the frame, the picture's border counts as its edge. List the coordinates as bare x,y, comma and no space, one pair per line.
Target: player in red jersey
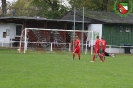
97,50
77,48
103,43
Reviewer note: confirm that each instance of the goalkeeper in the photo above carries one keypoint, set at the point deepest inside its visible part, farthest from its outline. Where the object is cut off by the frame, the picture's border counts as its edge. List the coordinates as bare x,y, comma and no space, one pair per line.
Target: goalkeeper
103,46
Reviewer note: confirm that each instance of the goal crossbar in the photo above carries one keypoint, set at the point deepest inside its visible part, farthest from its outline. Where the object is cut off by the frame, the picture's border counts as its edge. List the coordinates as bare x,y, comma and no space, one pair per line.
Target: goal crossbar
57,30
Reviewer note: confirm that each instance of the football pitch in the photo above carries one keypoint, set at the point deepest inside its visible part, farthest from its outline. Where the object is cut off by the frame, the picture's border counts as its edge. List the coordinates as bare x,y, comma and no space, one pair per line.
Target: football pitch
57,70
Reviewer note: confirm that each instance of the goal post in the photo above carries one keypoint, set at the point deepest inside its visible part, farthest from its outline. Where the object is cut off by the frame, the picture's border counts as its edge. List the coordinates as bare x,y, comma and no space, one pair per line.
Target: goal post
54,40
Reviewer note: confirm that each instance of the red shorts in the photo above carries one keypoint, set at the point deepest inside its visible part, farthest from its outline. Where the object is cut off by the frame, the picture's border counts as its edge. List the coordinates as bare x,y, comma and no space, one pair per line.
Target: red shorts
76,50
96,50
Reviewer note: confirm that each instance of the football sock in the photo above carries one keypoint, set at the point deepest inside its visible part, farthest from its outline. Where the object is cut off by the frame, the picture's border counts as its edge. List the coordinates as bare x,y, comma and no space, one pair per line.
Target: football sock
73,55
94,56
79,56
101,58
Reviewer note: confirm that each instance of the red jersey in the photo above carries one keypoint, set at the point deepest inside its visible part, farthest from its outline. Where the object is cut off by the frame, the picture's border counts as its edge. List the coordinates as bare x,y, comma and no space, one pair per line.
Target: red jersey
97,44
77,43
103,42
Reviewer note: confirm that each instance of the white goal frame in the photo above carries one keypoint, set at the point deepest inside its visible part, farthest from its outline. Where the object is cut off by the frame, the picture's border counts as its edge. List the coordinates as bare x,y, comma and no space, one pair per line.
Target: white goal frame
24,33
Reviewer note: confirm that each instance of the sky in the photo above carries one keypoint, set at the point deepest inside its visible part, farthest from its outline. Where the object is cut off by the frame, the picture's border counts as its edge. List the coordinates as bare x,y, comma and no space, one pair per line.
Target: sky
10,0
7,1
65,2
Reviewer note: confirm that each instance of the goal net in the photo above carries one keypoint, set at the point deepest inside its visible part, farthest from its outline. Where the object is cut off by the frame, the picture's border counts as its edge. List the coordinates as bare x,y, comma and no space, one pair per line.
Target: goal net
55,40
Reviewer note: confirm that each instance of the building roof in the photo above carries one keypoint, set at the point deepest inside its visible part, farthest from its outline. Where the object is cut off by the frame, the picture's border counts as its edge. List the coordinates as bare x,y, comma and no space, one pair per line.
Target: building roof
102,16
13,18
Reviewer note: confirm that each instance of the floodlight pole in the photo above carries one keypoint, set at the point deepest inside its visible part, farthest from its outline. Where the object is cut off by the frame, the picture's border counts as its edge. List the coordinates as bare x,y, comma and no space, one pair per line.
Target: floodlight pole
82,36
74,27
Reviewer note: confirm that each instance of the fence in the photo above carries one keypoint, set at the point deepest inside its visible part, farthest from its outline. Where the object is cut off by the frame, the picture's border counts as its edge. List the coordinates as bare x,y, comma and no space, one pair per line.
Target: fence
119,49
34,46
10,45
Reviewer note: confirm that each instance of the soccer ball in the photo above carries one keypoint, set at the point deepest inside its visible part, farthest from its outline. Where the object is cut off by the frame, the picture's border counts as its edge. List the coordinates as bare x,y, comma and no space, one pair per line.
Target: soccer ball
113,55
18,50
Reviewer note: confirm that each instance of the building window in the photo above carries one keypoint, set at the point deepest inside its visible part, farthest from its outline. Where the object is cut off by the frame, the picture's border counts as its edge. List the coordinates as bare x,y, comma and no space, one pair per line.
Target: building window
128,30
7,32
4,34
18,29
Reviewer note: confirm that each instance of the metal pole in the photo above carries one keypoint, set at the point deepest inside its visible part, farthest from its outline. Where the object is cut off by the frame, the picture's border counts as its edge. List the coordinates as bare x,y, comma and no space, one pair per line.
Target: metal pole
25,41
82,35
11,42
51,47
69,46
92,43
74,27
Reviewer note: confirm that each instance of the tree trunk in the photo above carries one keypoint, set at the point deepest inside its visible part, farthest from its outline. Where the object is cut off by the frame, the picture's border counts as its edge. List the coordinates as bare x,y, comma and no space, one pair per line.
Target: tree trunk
104,5
3,7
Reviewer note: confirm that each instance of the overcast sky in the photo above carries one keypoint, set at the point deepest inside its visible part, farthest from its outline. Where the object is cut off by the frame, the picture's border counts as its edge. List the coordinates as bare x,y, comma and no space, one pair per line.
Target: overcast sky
65,2
10,0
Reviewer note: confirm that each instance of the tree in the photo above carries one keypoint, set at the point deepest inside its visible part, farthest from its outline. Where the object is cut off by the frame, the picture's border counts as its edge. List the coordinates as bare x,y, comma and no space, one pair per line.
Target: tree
3,7
101,5
52,8
87,4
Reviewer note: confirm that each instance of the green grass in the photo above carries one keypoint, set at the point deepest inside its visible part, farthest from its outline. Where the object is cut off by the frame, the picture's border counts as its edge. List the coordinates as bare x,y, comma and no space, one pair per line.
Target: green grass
55,70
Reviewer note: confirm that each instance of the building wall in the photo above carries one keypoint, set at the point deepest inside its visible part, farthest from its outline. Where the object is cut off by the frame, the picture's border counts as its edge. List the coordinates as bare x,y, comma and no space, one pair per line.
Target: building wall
9,34
116,36
113,36
97,28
